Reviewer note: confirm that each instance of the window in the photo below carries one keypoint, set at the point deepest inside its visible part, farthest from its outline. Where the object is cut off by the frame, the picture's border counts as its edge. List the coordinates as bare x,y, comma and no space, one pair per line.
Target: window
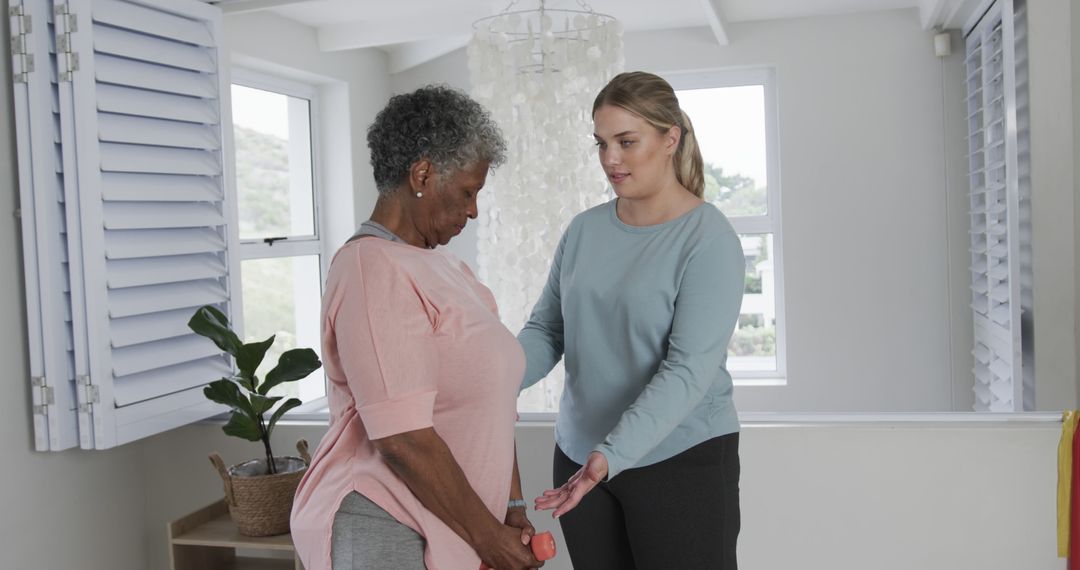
277,209
734,119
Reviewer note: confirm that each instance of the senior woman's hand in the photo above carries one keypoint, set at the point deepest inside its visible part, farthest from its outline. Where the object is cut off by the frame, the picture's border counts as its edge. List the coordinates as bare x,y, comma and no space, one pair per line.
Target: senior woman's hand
506,551
516,517
570,493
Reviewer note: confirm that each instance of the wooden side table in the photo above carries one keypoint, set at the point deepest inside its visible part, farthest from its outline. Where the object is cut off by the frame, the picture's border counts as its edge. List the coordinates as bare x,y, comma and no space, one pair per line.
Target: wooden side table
207,539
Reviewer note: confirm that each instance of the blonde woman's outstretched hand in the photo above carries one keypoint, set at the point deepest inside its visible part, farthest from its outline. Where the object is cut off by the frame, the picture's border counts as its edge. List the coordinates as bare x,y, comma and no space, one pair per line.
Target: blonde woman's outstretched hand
570,493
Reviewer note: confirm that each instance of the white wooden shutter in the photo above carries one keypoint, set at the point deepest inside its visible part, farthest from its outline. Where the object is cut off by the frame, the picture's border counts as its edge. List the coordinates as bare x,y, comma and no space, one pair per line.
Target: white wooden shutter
43,213
1021,104
144,98
1000,231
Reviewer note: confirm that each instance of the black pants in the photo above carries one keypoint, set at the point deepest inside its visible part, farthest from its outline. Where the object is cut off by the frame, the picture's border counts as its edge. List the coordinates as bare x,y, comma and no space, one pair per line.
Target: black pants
679,514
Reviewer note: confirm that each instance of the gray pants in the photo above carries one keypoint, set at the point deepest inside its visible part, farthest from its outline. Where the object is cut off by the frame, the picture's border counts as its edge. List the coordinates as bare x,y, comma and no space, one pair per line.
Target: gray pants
365,537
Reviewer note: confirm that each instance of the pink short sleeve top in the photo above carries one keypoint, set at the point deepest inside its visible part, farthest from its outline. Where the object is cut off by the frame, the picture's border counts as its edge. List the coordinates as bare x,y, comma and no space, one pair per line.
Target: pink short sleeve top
411,340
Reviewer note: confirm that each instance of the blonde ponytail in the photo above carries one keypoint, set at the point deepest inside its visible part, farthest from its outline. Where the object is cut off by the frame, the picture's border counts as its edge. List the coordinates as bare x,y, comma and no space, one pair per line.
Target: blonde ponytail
689,167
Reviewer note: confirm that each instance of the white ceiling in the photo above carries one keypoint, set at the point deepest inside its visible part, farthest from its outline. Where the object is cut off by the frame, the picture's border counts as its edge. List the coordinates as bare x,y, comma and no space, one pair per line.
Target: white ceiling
414,31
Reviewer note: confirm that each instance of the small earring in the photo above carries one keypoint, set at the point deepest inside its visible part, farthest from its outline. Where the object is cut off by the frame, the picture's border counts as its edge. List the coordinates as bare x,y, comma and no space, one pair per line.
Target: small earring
419,194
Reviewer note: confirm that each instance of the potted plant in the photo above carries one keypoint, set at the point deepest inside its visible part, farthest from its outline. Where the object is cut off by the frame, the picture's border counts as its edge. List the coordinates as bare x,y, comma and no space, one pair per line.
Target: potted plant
259,492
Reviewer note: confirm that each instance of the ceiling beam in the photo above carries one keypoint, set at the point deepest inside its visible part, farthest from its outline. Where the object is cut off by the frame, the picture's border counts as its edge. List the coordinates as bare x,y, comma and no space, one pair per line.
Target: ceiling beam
947,14
354,35
716,20
407,56
241,6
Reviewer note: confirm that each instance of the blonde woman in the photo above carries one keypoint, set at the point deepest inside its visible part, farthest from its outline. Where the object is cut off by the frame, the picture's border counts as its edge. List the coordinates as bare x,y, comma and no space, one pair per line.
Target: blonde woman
643,295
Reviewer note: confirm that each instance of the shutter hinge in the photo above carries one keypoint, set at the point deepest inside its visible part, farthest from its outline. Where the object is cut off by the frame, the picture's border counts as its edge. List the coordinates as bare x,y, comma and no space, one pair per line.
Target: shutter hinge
88,394
66,23
21,26
45,396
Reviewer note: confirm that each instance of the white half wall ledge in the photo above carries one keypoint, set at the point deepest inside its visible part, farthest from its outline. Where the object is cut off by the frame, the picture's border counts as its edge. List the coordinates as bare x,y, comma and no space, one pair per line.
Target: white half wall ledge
862,420
910,419
791,419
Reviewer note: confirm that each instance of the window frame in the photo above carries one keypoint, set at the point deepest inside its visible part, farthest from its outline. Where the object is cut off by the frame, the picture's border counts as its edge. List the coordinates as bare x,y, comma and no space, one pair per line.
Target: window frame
288,246
770,223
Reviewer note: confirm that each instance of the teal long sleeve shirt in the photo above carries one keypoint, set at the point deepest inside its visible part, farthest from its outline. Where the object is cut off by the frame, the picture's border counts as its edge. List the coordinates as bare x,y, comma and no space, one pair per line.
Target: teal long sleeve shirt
643,316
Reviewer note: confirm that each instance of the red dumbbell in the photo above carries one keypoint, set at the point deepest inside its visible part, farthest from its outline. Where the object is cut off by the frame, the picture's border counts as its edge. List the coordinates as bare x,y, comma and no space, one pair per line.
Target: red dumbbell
543,547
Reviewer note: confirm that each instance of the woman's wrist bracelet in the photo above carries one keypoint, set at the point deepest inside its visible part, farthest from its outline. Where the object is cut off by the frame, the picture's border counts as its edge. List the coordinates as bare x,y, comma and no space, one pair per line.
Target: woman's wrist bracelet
516,504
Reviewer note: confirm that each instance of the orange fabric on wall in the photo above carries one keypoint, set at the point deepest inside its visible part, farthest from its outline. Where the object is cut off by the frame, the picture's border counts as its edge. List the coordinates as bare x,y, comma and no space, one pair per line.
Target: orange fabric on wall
1074,516
1065,480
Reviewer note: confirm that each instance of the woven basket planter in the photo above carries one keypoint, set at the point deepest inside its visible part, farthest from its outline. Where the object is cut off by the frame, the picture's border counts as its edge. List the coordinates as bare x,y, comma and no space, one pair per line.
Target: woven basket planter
260,504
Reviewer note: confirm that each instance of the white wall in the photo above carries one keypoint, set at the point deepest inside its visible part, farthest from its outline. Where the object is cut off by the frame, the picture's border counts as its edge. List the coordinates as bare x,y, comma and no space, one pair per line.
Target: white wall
899,497
1074,40
889,497
54,504
1053,203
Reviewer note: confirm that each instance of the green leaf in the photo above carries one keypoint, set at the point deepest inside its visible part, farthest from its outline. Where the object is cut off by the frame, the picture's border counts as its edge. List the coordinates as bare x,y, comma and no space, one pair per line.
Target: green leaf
240,425
250,357
261,404
293,365
286,406
226,392
247,382
214,325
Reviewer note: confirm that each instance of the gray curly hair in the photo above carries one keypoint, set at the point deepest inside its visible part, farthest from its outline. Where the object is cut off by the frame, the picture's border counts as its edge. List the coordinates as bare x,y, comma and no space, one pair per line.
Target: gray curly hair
437,123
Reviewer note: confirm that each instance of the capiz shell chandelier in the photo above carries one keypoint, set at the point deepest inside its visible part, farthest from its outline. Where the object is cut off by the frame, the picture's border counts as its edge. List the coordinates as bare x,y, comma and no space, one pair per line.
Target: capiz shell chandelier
538,71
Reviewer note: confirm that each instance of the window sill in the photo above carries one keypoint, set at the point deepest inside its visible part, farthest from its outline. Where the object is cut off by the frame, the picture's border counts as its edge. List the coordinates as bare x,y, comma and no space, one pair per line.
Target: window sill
786,419
758,382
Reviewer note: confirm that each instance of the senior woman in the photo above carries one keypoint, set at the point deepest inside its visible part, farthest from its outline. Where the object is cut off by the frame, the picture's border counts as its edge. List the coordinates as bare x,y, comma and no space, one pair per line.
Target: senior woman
418,468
